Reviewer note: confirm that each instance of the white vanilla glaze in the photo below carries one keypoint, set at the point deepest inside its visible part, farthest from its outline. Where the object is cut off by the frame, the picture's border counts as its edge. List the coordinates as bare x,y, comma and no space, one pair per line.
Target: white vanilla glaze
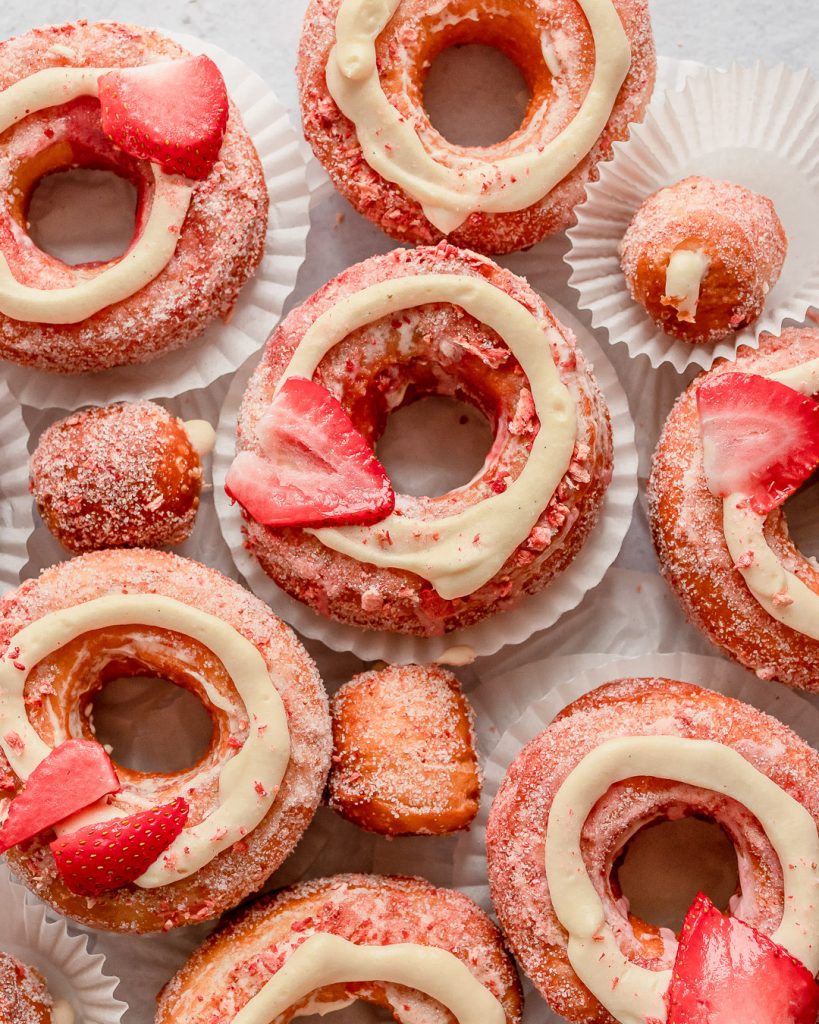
449,193
94,289
263,757
780,592
326,959
683,280
202,436
445,551
637,994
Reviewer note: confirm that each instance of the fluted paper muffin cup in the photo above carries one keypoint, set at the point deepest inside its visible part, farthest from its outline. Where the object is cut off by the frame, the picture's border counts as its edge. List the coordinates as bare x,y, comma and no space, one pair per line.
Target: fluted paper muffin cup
534,613
755,126
16,508
30,933
518,711
223,346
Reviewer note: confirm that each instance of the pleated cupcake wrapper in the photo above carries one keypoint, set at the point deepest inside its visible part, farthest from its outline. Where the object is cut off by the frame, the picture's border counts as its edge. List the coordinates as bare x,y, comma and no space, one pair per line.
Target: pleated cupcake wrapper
755,126
222,347
30,933
16,509
532,614
516,706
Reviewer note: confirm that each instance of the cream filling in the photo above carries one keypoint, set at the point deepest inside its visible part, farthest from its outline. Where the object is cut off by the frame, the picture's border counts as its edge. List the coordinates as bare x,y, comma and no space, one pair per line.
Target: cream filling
263,757
447,193
326,959
634,994
202,436
781,593
459,553
683,280
147,257
62,1013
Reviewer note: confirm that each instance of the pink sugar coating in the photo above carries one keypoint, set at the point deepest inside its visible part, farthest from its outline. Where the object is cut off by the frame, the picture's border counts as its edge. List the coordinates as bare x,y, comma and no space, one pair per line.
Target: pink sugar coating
686,524
101,477
419,713
220,245
436,348
234,964
243,868
519,816
24,997
403,43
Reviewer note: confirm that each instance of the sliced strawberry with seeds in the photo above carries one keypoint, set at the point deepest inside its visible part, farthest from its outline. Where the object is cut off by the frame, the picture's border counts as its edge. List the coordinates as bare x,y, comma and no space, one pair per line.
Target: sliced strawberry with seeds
760,438
114,853
72,777
728,973
315,468
173,113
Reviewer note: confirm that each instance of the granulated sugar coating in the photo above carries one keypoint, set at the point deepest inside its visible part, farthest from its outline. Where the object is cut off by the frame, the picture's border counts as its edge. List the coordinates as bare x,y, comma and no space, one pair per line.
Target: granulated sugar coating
687,526
24,998
119,476
540,37
520,814
238,960
220,244
737,232
434,349
404,759
60,690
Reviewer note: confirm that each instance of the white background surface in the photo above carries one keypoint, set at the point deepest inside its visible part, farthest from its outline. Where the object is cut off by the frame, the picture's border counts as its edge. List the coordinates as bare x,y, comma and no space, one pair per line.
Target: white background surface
265,35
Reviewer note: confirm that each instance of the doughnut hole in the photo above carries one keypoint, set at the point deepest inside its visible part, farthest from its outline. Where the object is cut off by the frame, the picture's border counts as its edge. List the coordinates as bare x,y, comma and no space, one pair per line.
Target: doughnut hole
742,872
425,31
381,369
668,862
410,448
61,690
404,760
67,139
123,475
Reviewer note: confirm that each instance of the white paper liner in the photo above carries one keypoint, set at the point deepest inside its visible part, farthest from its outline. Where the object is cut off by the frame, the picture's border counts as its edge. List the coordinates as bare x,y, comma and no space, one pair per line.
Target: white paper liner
756,126
516,706
222,347
16,507
29,932
532,614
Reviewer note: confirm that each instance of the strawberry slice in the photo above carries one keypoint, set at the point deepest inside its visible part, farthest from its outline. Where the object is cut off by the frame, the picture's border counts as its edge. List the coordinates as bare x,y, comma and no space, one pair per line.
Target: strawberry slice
73,776
107,856
173,113
315,470
728,973
760,438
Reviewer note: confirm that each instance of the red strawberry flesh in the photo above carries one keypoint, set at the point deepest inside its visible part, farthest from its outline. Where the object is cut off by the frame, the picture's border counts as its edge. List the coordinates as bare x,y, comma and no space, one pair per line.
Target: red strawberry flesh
760,438
173,113
728,973
72,777
314,469
99,858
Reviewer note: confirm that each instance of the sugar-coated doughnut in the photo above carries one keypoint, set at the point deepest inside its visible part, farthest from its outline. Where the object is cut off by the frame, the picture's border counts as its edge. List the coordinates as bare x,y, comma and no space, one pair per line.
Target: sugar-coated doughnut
120,613
439,321
195,241
404,760
361,72
333,930
714,566
701,257
24,995
125,475
630,753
